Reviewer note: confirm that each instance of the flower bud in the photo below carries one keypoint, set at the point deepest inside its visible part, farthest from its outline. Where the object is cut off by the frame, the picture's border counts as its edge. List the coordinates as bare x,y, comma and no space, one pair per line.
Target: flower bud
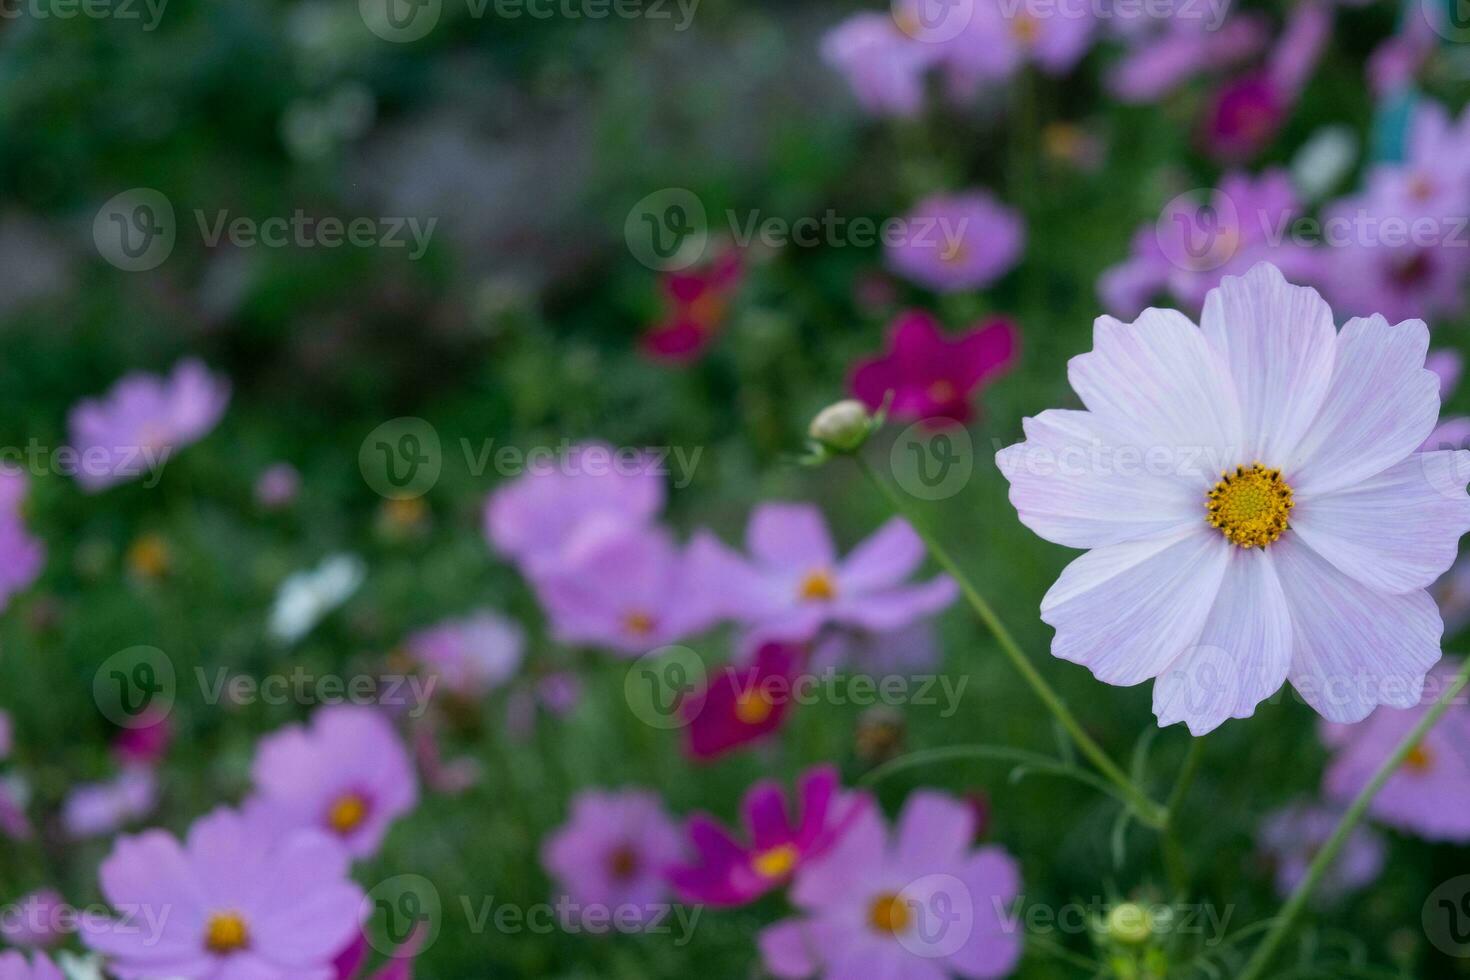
842,427
1130,923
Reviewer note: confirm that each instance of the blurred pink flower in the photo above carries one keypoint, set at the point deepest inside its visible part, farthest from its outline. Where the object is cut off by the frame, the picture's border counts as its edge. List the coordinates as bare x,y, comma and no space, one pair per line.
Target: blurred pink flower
145,743
918,904
1289,839
241,902
346,773
933,377
957,242
472,655
13,966
740,705
884,66
696,302
99,809
1161,60
142,421
22,555
277,486
39,919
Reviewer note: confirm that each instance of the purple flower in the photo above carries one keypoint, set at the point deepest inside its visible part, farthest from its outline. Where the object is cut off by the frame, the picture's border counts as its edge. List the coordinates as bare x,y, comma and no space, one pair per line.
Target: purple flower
21,555
7,735
1161,60
1254,504
957,242
1447,365
610,858
727,872
37,920
1429,795
1193,245
277,486
347,774
998,38
1375,264
741,705
13,966
233,900
471,656
624,587
1290,838
99,809
142,421
15,794
793,583
921,904
531,519
883,65
931,376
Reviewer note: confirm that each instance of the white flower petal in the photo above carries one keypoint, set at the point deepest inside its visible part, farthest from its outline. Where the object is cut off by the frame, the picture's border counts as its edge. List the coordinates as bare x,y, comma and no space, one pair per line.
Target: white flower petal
1127,611
1279,342
1353,648
1242,655
1382,404
1078,481
1397,531
1159,382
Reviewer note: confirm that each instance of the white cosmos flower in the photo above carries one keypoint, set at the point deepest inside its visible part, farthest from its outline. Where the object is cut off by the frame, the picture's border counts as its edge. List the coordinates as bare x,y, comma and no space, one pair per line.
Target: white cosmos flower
305,598
1254,502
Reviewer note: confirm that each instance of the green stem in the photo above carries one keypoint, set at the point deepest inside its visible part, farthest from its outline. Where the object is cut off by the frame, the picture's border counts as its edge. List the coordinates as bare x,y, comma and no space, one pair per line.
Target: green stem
1174,862
1283,923
1149,812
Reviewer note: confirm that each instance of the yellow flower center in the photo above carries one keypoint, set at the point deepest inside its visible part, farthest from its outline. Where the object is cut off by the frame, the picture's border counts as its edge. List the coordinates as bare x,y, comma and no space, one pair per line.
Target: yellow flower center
1024,29
889,914
776,862
818,586
1250,506
753,707
639,623
226,933
347,813
954,252
942,391
1419,759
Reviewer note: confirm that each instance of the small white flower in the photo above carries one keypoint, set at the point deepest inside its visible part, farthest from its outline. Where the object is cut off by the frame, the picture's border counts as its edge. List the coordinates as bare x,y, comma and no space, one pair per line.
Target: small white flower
305,598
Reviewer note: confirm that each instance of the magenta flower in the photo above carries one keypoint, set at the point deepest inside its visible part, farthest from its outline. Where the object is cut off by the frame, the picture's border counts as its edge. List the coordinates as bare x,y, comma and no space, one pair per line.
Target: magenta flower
957,242
921,904
351,963
145,743
625,588
696,301
1290,838
610,858
22,555
727,872
531,519
931,376
142,421
1254,503
740,705
99,809
793,583
233,900
471,656
1429,795
13,966
347,774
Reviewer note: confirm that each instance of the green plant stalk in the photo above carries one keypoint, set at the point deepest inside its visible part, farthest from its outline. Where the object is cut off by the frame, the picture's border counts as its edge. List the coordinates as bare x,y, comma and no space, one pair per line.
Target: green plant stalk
1173,853
1256,966
1149,812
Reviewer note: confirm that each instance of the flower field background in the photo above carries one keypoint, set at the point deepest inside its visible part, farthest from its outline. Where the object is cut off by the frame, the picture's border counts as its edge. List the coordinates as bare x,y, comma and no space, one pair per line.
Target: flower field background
328,491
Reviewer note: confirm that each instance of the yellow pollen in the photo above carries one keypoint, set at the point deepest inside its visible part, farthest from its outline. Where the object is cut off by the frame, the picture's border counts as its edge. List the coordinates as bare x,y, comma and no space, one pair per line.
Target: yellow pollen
941,391
889,914
776,862
818,586
226,933
639,623
347,813
1024,29
1419,759
753,707
1250,505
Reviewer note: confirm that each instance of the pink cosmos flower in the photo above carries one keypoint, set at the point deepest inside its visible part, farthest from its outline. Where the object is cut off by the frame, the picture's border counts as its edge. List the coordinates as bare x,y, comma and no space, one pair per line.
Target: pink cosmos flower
1429,795
999,38
351,963
99,809
22,555
740,705
793,583
610,857
37,920
1254,504
884,66
919,904
531,519
697,301
7,735
1159,61
1290,838
931,376
145,743
13,966
625,588
1194,245
471,656
1433,179
277,486
957,242
347,773
727,872
241,901
142,421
